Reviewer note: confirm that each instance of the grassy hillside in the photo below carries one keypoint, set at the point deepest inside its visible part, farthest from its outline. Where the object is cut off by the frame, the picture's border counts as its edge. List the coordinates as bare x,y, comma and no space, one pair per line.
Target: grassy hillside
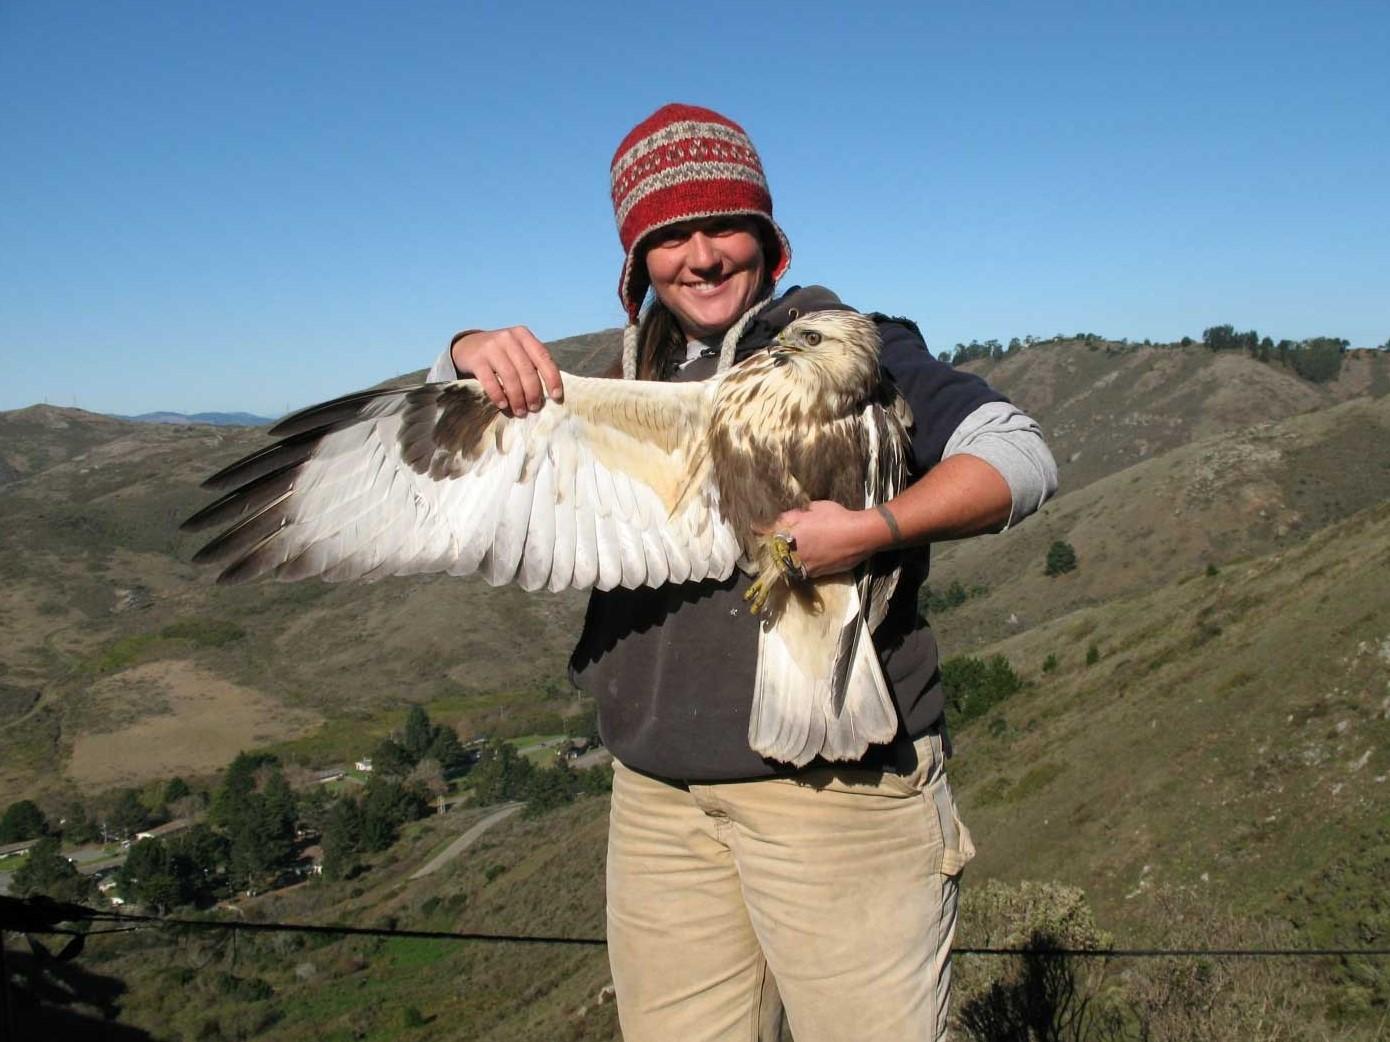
95,572
1218,772
525,876
1106,407
1240,493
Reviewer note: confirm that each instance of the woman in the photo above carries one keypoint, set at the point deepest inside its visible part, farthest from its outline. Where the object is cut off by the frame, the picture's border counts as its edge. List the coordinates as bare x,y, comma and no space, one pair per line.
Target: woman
726,870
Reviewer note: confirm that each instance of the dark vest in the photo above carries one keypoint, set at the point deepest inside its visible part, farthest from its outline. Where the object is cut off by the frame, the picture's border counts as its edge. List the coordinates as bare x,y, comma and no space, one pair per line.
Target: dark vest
672,668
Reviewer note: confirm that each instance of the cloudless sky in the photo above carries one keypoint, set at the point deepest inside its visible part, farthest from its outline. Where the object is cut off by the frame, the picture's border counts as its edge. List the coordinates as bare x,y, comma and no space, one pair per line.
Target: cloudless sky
254,205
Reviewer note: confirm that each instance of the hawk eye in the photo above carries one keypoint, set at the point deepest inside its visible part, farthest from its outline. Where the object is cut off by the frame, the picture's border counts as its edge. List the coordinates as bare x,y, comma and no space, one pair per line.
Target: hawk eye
811,337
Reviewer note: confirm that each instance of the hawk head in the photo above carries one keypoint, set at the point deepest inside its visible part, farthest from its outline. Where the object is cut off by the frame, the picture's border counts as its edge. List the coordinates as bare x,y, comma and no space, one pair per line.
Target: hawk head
837,349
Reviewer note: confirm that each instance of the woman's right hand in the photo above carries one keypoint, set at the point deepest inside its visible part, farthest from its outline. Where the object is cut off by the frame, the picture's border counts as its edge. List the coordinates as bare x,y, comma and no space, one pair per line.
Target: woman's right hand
511,365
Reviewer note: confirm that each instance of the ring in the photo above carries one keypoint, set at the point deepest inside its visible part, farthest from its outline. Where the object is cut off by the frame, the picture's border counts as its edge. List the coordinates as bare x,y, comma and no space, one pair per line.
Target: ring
786,539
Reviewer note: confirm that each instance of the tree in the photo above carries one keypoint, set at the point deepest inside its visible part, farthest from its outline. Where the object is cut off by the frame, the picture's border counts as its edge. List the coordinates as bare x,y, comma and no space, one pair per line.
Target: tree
260,842
549,788
127,815
1061,557
501,774
238,784
973,686
342,839
76,825
447,750
386,805
1319,359
176,789
419,733
428,776
23,820
46,871
255,806
1220,338
204,852
154,876
391,758
315,804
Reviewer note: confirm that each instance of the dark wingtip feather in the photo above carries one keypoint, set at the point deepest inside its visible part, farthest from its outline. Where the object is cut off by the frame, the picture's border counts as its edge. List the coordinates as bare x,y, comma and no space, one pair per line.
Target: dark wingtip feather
331,413
253,495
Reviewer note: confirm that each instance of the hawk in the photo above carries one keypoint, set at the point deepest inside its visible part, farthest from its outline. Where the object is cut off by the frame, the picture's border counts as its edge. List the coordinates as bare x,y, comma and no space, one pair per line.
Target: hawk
623,483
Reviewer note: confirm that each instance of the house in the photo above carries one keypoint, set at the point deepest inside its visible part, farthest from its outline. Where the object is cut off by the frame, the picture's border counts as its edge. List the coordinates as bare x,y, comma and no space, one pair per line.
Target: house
364,765
331,775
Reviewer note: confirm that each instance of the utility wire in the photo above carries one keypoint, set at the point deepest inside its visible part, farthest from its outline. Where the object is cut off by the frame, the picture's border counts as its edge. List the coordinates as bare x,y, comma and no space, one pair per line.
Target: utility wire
43,916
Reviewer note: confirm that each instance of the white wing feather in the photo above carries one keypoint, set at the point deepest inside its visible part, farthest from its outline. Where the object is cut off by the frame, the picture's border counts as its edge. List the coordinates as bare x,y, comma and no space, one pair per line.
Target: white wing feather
604,489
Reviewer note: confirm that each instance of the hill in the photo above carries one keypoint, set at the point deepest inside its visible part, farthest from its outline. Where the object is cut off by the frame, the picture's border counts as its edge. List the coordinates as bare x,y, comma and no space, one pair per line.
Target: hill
212,419
1106,406
1215,778
1239,493
116,642
1220,764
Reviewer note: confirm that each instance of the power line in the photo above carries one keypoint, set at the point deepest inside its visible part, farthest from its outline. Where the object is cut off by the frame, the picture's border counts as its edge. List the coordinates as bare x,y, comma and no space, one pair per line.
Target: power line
40,915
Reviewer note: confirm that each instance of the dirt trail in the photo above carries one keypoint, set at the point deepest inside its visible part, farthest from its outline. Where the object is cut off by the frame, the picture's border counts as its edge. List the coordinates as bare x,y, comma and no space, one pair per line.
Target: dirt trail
465,841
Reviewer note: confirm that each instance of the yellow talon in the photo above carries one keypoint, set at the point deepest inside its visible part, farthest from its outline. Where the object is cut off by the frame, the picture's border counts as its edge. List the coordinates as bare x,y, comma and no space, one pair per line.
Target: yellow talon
757,594
784,553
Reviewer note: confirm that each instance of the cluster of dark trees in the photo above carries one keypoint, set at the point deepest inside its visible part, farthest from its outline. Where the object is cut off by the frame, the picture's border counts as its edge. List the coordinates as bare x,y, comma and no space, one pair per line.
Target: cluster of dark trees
931,601
257,826
420,740
44,870
503,774
978,349
22,820
354,828
1318,359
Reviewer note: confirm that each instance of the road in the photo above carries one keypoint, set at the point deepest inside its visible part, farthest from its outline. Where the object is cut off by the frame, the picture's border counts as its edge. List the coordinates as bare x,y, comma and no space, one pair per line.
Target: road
465,841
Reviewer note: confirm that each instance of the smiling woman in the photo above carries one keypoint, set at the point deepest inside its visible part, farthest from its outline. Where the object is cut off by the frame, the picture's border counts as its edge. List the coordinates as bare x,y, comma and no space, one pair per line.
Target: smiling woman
708,272
726,865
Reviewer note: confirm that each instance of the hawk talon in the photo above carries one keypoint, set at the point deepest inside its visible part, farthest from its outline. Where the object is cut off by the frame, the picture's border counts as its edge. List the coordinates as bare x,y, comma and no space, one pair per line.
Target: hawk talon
788,560
757,594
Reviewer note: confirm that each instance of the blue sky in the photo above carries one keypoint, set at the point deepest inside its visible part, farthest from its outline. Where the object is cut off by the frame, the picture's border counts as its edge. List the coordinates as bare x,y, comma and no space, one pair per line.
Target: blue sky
258,205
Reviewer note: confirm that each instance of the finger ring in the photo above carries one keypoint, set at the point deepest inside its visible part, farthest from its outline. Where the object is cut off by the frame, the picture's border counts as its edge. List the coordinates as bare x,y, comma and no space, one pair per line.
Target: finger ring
786,539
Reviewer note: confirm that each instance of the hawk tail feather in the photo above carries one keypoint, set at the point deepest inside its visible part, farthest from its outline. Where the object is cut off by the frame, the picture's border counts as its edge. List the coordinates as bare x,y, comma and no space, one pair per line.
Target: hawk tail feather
835,711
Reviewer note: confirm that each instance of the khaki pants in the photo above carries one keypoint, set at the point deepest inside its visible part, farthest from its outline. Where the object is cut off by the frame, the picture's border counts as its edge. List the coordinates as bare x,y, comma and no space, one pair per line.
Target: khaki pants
839,884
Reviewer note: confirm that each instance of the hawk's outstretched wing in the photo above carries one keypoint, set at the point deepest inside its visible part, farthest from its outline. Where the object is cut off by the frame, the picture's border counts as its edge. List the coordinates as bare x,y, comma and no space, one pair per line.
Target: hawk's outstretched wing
609,487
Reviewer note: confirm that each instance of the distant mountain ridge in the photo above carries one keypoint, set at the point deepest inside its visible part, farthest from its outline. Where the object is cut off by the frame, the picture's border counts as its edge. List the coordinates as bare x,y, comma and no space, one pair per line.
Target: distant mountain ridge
214,419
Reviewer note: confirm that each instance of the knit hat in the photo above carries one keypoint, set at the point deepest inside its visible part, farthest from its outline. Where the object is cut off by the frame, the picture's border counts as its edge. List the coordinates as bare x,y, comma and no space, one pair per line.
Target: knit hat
684,162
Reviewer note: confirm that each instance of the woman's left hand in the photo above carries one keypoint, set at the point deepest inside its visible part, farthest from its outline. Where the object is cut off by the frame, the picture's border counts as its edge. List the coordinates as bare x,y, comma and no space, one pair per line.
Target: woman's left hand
831,538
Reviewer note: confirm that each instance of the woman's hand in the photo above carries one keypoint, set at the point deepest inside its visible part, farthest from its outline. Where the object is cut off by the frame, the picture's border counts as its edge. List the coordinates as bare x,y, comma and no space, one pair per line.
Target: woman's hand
831,538
962,495
511,365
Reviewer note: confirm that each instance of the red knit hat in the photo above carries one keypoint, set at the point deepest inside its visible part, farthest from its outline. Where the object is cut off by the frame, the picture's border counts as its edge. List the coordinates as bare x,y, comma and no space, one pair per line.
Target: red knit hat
679,163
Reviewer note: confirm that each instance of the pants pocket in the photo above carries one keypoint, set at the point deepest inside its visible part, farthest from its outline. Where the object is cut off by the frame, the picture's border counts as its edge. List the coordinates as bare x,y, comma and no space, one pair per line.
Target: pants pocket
957,848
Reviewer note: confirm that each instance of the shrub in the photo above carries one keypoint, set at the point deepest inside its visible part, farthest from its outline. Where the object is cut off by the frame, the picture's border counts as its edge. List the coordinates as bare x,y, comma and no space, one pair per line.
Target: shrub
1050,663
1061,557
973,686
1092,655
